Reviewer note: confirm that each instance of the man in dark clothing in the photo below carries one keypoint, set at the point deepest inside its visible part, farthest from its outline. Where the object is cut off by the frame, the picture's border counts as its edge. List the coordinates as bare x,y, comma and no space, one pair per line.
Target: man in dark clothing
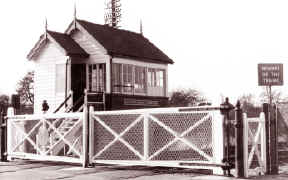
45,106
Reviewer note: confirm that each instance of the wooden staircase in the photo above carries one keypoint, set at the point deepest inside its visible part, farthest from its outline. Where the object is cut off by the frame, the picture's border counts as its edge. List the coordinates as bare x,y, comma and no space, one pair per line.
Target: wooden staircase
96,99
69,132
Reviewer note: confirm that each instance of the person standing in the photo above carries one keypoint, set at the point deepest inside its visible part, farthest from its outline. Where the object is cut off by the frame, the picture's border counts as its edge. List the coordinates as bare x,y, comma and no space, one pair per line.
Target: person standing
45,106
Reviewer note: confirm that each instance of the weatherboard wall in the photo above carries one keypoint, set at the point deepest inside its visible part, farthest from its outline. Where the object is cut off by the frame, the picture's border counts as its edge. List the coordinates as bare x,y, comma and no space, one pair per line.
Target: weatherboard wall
45,77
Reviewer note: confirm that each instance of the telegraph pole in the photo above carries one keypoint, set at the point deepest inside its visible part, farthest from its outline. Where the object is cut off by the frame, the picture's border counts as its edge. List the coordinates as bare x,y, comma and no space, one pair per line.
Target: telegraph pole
112,15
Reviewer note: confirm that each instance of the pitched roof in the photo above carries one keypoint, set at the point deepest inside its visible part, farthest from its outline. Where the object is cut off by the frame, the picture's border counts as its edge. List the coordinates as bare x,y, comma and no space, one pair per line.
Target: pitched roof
125,43
70,47
68,44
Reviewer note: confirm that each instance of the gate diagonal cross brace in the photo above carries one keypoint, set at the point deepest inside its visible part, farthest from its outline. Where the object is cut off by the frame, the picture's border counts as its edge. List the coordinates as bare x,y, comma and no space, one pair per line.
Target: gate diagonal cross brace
62,138
181,137
255,149
74,144
26,136
119,136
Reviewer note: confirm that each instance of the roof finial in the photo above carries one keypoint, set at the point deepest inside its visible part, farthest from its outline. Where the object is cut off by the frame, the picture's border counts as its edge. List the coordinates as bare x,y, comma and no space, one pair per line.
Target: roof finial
141,27
75,15
46,27
75,11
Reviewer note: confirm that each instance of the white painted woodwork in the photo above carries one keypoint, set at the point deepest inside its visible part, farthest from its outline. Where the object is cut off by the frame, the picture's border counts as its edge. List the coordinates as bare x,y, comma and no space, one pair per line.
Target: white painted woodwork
218,141
145,117
258,138
91,131
45,77
96,52
140,63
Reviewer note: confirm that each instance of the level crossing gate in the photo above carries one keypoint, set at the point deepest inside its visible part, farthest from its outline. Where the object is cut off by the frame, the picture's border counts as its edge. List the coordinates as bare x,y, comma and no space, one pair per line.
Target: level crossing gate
46,137
174,137
168,137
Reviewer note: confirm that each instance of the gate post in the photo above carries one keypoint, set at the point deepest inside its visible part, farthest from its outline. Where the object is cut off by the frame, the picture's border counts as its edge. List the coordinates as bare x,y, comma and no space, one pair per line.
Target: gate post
3,140
239,159
85,137
267,126
273,141
91,134
10,112
225,108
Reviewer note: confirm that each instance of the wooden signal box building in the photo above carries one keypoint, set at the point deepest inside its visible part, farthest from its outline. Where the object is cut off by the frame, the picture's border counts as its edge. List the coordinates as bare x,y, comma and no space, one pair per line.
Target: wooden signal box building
118,69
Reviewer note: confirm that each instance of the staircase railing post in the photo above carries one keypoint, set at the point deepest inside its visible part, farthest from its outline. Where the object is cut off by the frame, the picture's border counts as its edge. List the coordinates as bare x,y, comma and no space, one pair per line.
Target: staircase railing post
239,141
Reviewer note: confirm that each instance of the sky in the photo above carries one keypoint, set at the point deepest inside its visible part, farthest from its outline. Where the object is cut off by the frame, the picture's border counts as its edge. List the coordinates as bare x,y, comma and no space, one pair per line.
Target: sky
216,45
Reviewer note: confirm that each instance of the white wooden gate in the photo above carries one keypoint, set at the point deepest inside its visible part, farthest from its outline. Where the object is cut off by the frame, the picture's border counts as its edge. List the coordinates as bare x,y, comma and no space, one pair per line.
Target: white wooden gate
191,139
49,137
254,145
186,137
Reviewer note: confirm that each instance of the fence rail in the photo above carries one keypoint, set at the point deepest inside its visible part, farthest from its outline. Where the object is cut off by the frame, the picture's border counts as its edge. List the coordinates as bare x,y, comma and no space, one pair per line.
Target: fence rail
45,137
175,137
169,138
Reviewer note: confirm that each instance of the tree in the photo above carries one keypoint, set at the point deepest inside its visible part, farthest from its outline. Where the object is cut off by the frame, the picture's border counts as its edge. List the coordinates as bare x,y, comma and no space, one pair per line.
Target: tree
185,97
4,100
249,106
25,88
276,96
247,101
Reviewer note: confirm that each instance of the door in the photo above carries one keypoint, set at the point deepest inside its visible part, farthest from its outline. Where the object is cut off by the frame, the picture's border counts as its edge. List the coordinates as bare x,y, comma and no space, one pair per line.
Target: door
78,83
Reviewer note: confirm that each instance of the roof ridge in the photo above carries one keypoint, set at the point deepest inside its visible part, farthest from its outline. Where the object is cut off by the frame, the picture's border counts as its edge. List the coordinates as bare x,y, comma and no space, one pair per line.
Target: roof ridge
49,31
112,28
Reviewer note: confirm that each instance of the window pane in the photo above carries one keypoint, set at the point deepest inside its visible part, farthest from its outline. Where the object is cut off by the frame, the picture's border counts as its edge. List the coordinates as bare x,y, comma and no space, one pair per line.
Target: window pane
97,77
116,81
127,78
161,78
140,79
151,77
60,78
101,84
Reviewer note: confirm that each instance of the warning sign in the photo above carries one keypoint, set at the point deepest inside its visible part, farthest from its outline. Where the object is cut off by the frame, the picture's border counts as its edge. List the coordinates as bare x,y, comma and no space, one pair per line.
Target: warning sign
270,74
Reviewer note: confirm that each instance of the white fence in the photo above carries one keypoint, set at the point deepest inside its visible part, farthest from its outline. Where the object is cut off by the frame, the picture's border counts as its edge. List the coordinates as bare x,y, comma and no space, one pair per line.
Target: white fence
185,137
190,138
254,145
51,137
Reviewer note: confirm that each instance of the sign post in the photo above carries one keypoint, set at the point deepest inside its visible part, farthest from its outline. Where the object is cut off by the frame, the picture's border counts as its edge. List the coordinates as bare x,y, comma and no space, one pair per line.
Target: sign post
271,75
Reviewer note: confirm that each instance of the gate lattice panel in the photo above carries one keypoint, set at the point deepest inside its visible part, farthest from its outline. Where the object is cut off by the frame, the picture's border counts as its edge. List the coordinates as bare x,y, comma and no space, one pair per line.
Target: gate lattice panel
46,137
157,138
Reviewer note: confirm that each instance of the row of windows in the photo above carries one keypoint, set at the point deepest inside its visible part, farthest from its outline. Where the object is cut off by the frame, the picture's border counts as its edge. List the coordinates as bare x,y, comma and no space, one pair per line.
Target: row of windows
128,78
125,78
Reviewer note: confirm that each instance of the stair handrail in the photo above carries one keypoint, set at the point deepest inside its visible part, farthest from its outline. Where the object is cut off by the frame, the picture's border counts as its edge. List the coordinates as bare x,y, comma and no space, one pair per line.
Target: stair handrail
64,102
76,103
